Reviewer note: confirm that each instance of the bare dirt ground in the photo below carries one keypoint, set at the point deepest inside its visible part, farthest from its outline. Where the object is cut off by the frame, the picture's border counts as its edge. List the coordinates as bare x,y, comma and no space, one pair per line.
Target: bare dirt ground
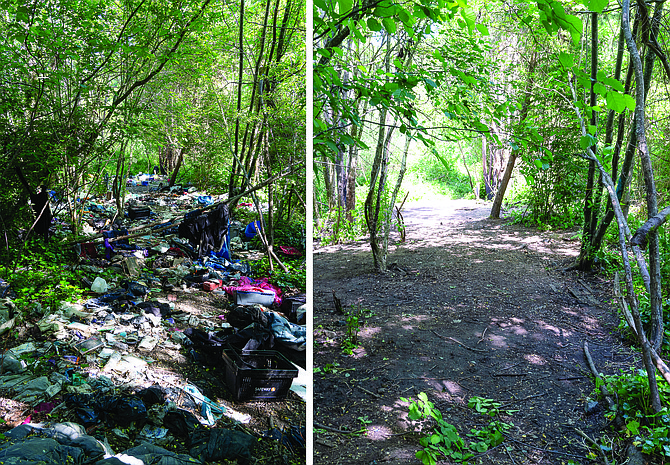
501,289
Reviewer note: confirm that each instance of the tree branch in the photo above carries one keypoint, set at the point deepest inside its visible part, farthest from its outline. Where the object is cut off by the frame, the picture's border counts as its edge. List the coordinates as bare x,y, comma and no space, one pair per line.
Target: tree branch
652,224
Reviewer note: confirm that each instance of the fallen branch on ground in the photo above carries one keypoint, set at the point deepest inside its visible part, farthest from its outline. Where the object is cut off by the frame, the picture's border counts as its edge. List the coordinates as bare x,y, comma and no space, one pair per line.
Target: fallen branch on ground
603,389
449,338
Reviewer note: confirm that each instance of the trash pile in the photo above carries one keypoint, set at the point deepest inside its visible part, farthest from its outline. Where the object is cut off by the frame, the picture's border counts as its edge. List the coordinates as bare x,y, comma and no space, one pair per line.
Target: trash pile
158,361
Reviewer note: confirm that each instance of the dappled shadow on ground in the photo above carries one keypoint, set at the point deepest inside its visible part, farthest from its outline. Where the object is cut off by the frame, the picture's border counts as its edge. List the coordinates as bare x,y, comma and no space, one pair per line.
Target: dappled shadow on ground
474,307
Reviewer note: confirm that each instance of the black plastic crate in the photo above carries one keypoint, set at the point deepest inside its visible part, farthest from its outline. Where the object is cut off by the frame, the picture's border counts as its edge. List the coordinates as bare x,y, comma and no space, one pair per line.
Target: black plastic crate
258,375
138,212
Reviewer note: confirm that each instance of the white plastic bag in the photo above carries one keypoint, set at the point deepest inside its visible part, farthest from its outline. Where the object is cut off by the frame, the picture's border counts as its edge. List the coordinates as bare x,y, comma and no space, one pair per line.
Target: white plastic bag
99,285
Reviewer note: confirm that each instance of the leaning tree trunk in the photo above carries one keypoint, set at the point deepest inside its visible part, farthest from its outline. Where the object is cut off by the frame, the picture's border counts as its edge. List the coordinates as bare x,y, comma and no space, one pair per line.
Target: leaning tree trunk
500,193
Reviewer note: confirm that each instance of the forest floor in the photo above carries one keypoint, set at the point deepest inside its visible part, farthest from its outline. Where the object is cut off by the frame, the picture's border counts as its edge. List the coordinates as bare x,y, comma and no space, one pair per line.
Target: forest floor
504,292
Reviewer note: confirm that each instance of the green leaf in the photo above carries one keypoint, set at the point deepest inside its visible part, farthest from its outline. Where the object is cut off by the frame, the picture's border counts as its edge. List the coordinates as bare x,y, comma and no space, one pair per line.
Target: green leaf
600,89
414,413
587,141
575,28
405,17
345,6
633,427
374,25
430,83
597,5
483,30
331,145
389,25
613,83
538,163
390,86
566,59
629,101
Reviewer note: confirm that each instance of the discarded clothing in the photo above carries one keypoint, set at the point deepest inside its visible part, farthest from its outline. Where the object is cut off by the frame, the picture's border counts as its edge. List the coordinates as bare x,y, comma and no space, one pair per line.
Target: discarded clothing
218,444
61,443
148,454
208,231
210,410
286,333
241,317
290,251
250,230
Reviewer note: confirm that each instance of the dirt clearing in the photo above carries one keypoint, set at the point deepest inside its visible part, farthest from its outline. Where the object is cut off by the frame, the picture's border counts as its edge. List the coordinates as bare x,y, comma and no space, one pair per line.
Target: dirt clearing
472,308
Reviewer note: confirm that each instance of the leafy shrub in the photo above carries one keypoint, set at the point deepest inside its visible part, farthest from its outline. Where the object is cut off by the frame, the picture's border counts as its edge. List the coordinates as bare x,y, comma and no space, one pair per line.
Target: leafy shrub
650,431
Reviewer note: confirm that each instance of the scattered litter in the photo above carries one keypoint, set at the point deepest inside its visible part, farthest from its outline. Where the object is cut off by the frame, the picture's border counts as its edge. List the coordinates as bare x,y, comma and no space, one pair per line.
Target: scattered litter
137,272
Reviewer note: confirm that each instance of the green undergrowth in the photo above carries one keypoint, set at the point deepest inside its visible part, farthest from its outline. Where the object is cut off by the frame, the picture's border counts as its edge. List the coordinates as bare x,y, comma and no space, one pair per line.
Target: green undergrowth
40,275
649,431
444,441
295,277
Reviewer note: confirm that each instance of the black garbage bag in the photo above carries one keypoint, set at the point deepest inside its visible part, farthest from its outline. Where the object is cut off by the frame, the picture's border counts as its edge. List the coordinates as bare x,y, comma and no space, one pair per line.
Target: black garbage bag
181,424
293,438
114,410
152,395
154,307
241,317
253,337
208,346
123,411
211,445
135,289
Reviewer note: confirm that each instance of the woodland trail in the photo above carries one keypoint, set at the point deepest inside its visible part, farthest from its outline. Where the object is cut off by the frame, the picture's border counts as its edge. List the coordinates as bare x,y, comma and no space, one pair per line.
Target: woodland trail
473,308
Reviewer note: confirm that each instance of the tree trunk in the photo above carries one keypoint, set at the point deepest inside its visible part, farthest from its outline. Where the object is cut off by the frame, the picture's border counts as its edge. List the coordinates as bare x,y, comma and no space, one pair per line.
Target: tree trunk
650,186
180,160
232,183
372,207
651,194
500,194
587,254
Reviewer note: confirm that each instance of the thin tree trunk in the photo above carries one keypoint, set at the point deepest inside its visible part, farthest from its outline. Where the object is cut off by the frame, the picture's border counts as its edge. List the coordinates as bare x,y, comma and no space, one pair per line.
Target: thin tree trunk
372,210
233,172
591,207
609,137
507,175
650,186
651,196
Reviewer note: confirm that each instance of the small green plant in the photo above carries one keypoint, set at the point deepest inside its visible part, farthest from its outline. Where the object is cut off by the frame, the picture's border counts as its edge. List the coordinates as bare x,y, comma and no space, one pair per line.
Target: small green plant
354,321
445,439
332,368
487,406
364,421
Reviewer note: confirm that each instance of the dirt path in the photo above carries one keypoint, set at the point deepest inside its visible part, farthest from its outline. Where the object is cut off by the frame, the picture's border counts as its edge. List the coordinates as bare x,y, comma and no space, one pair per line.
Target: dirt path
498,288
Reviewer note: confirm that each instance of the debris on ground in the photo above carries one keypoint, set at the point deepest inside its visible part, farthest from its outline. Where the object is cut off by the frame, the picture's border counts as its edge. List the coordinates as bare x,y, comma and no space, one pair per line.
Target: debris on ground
149,363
